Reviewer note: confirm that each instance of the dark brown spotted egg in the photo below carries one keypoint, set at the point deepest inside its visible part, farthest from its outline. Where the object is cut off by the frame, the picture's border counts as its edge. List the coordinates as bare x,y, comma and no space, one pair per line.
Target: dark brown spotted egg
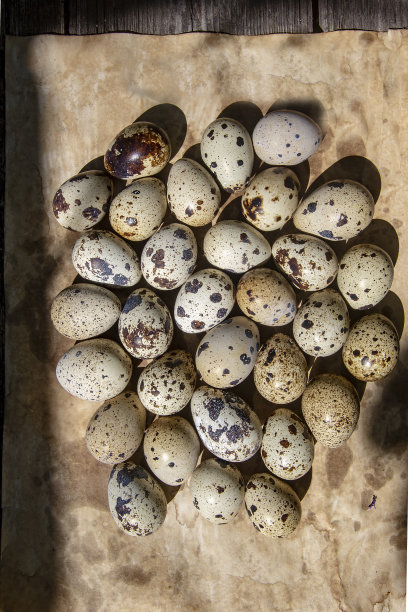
265,296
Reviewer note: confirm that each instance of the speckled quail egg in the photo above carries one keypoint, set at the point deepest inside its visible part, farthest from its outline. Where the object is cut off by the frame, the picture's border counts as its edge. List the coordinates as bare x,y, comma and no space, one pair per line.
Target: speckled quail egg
116,429
321,324
166,385
285,137
272,505
365,276
137,211
82,201
280,372
217,489
235,246
331,408
171,448
145,325
226,149
140,149
194,196
227,353
169,256
103,257
94,370
83,310
372,348
309,262
271,198
287,446
337,210
136,500
205,300
265,296
227,426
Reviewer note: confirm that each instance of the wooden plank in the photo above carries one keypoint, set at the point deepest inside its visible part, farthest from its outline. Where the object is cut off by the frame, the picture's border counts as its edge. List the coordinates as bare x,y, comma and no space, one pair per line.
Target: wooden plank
377,15
27,17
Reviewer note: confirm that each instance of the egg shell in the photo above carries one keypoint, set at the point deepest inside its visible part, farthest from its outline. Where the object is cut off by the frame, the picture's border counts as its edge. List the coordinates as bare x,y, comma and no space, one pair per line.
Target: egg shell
83,200
284,137
226,149
140,149
265,296
365,276
82,311
103,257
321,324
235,246
171,448
205,300
280,372
271,198
309,262
227,426
272,505
94,370
166,385
338,210
116,429
372,348
136,500
227,353
137,211
331,408
169,256
193,195
145,325
217,489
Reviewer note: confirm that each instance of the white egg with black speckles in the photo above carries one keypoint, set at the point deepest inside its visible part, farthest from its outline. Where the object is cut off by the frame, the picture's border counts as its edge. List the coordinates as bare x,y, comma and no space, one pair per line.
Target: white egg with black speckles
227,426
227,353
171,448
265,296
321,324
226,149
136,500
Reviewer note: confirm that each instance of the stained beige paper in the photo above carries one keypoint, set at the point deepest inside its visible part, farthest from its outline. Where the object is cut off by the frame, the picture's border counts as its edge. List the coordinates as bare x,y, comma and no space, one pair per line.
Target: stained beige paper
66,98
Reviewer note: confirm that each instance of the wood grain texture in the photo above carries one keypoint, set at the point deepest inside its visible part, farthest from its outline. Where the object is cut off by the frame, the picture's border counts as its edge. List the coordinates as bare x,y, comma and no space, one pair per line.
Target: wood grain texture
26,17
377,15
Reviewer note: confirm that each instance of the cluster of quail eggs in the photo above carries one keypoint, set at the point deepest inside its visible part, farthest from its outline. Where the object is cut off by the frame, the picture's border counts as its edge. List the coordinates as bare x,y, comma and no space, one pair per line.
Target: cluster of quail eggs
257,305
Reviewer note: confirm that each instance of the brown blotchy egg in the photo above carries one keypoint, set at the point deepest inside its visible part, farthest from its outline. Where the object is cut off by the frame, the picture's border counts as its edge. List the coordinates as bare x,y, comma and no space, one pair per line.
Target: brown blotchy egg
265,296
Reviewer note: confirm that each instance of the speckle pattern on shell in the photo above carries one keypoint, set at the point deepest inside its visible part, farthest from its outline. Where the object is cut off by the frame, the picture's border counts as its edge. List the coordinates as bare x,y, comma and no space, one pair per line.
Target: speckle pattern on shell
94,370
365,276
321,324
271,198
309,262
140,149
286,137
338,210
166,385
372,348
235,246
169,256
287,445
137,211
205,300
145,325
83,310
116,429
227,426
331,408
194,196
102,257
217,490
272,505
171,448
227,353
136,500
226,149
83,200
280,372
265,296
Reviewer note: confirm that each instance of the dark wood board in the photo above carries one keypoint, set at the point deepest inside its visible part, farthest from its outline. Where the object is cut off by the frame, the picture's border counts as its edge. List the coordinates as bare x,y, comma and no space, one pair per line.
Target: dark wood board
377,15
